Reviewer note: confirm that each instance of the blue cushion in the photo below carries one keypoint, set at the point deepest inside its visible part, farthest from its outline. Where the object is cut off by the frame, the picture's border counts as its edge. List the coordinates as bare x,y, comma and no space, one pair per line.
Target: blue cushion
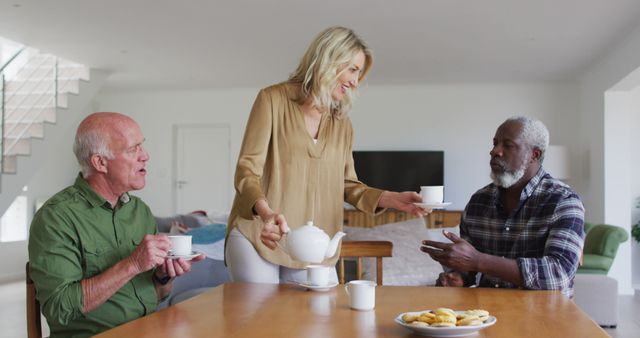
208,234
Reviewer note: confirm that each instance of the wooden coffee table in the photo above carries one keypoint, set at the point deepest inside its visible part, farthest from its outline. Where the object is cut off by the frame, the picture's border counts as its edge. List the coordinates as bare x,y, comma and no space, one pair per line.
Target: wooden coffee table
278,311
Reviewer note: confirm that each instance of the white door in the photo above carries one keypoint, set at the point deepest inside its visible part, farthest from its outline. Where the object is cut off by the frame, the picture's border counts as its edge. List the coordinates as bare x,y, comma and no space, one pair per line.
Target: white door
202,175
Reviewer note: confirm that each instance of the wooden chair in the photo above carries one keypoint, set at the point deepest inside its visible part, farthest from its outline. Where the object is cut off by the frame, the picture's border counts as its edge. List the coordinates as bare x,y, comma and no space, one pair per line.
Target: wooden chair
34,326
359,249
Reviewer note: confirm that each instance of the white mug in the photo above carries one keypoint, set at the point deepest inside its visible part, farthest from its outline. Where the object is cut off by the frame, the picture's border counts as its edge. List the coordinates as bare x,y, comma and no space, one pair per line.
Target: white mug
318,275
180,245
432,194
362,294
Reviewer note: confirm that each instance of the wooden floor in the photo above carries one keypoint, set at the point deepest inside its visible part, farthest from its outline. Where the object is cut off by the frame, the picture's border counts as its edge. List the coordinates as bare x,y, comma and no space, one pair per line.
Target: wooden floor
13,314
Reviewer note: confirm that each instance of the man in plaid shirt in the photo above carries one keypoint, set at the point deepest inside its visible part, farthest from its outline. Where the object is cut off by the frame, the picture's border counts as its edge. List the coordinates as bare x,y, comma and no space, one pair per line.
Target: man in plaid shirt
526,229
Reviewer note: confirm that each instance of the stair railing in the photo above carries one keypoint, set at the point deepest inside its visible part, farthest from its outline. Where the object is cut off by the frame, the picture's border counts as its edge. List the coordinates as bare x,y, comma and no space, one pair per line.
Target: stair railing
29,77
34,91
44,94
15,55
2,100
1,122
47,94
56,83
16,139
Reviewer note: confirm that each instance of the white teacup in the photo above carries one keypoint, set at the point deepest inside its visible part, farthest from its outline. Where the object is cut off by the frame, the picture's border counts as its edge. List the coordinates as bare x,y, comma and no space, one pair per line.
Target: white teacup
362,294
432,194
318,275
180,245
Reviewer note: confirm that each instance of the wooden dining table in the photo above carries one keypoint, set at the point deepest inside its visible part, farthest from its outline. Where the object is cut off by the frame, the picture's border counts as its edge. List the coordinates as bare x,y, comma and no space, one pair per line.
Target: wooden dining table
285,310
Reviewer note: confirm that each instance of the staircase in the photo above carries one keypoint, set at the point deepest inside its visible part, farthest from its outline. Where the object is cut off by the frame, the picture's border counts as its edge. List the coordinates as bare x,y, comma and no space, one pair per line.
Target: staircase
35,85
40,106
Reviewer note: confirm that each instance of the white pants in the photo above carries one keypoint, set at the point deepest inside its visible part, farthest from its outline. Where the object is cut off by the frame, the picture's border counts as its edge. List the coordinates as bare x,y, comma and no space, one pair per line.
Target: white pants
246,265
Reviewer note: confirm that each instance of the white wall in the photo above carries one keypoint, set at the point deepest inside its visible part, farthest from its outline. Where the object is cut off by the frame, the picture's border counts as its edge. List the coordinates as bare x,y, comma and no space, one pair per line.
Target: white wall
621,61
604,183
158,111
459,119
634,141
617,197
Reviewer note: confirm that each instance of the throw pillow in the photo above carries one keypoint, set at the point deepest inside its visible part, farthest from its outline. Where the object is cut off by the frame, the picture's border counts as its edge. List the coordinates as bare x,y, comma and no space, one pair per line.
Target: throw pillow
192,220
208,234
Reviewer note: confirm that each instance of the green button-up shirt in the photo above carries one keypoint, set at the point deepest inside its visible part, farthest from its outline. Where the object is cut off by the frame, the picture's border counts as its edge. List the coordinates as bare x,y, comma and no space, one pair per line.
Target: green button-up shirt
77,235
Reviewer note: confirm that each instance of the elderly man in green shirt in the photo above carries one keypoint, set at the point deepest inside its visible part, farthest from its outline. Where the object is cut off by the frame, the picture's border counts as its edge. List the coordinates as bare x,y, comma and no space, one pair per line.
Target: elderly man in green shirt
95,256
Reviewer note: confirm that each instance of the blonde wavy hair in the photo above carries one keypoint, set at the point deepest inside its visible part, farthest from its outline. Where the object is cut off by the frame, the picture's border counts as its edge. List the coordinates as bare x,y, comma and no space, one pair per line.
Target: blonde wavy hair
317,72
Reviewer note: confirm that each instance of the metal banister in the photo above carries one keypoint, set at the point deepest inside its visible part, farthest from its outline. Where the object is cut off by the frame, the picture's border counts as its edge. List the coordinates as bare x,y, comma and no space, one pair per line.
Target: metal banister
11,59
45,78
2,83
30,83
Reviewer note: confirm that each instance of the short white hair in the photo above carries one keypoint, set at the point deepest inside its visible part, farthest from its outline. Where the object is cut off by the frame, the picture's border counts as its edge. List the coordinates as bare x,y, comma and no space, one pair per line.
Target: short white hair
534,133
88,143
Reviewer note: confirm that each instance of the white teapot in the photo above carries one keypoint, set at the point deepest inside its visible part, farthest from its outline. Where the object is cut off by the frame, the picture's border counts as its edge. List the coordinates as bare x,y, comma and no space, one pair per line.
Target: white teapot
311,244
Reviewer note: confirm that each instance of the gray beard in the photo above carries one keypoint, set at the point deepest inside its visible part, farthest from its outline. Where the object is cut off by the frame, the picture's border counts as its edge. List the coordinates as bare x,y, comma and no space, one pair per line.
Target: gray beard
507,179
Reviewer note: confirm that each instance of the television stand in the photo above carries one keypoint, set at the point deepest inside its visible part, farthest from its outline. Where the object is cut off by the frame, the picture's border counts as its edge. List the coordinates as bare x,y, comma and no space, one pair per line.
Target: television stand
436,219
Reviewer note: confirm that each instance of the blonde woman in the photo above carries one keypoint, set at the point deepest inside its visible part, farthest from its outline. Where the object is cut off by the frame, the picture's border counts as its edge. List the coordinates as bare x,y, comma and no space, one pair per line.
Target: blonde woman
295,164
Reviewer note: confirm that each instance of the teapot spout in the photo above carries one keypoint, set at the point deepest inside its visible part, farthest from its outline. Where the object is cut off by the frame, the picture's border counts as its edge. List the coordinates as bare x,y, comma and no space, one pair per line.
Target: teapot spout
333,244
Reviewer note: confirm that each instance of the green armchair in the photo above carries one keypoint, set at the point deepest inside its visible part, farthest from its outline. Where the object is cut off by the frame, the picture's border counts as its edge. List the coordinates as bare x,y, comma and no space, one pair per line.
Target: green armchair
600,247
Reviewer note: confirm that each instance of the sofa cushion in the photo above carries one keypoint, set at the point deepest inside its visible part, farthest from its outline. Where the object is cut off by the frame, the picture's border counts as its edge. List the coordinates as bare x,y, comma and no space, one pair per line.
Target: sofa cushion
190,220
409,265
595,264
600,248
208,234
604,239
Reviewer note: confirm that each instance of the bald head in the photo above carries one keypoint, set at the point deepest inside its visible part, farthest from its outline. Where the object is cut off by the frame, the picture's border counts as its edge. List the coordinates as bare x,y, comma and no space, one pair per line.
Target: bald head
96,135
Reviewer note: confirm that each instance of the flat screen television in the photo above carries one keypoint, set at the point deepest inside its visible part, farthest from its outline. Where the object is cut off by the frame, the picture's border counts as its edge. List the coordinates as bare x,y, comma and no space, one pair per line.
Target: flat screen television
399,170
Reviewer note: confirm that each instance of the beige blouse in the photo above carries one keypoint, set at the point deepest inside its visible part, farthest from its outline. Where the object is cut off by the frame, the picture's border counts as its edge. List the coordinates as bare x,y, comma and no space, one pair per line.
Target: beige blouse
303,180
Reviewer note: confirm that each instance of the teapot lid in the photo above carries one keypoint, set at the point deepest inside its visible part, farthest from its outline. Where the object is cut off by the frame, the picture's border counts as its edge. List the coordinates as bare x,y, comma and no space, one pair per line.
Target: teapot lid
309,227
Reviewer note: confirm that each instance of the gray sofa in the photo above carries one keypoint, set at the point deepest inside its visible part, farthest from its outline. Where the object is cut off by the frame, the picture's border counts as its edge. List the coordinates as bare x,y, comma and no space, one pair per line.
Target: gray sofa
205,274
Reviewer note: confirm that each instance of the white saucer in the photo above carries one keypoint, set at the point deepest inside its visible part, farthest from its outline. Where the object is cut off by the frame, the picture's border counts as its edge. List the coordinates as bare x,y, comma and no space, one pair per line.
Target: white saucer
318,288
433,205
186,257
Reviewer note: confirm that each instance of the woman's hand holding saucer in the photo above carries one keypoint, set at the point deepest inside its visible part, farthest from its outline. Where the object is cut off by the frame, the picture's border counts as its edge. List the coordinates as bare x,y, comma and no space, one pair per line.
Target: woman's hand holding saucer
403,201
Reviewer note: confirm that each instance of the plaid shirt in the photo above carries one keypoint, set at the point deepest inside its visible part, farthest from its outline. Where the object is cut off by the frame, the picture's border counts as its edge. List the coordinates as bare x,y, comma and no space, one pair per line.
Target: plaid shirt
544,234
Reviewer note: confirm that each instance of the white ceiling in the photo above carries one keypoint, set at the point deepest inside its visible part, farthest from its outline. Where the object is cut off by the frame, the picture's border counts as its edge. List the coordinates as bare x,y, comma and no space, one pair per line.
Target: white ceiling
240,43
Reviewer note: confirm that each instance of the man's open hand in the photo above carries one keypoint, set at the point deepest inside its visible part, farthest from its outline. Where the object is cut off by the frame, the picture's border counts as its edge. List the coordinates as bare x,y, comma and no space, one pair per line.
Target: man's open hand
458,255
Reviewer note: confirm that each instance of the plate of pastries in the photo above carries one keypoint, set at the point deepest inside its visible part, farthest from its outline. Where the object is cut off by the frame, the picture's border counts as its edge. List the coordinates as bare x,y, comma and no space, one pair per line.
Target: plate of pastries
444,322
